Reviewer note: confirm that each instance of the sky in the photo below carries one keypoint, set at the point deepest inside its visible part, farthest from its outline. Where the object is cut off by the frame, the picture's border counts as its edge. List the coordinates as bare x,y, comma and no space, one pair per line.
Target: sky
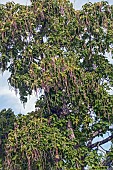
8,98
77,3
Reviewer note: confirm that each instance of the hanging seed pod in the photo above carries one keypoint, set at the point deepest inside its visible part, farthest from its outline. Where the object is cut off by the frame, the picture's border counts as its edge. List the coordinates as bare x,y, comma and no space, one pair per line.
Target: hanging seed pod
2,36
84,93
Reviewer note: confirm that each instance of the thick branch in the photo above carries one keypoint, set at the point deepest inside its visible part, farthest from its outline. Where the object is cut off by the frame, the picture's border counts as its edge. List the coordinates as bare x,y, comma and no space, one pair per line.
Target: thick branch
99,131
93,136
101,142
96,133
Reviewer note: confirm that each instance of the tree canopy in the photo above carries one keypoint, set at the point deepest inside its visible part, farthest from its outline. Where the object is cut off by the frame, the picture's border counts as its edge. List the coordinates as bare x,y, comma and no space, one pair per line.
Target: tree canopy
61,53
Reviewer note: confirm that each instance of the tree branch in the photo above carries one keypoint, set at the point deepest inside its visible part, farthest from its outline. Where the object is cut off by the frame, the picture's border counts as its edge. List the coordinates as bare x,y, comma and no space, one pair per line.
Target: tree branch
101,142
96,133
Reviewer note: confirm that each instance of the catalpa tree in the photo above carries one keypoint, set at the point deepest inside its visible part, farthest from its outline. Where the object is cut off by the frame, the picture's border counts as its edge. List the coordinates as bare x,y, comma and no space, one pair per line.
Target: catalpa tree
62,53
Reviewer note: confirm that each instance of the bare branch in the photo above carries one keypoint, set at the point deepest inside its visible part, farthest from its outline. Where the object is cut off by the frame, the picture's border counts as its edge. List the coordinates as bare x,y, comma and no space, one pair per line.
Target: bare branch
96,133
101,142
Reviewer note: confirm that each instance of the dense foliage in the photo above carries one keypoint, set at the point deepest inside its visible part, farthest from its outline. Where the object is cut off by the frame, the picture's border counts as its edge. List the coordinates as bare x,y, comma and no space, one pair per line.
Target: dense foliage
7,119
51,48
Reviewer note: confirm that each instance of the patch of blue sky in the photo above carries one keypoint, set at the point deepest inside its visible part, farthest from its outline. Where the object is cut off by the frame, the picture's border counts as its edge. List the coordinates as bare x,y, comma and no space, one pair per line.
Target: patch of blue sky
9,98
